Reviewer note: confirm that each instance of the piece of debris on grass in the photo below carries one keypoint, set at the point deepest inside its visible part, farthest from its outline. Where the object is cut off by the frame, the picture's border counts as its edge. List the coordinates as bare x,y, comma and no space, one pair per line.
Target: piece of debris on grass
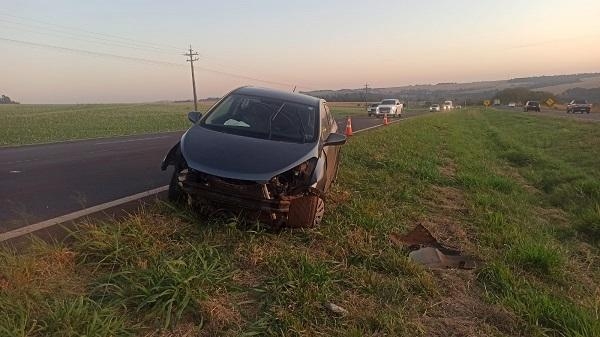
336,309
426,250
417,237
433,258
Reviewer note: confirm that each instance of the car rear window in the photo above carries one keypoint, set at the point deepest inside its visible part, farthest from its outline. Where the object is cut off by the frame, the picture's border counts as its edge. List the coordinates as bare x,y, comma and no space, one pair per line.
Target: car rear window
265,118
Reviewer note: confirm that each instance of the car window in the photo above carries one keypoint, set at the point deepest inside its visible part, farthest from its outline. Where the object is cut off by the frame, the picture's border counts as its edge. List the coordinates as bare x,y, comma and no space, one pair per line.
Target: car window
263,117
388,102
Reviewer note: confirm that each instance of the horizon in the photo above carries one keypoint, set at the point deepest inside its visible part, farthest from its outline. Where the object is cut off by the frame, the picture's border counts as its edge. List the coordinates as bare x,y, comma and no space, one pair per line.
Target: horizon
71,52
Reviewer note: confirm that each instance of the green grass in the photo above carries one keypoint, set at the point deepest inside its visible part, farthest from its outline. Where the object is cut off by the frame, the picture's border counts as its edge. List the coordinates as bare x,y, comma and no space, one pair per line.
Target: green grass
518,193
28,124
39,123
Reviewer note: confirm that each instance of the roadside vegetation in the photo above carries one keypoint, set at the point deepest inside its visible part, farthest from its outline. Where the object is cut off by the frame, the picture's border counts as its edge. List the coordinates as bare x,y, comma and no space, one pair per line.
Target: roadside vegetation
519,193
46,123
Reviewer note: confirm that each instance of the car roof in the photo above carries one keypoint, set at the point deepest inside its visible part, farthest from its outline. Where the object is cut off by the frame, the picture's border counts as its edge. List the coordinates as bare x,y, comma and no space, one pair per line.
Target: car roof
278,94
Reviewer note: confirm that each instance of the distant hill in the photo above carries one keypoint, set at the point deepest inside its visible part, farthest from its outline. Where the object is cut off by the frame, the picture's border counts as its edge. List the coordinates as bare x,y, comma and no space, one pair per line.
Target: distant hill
559,85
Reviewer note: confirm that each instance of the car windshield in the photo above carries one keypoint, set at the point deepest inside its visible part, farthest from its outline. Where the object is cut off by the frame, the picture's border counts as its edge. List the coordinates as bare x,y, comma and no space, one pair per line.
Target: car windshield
265,118
388,102
435,105
532,103
580,101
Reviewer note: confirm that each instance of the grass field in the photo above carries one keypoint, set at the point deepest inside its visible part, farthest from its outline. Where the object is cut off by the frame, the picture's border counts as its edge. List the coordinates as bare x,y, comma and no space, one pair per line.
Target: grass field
519,193
29,124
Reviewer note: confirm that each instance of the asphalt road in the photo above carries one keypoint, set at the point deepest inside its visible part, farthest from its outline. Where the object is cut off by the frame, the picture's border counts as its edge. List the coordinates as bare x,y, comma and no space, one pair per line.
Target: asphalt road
41,182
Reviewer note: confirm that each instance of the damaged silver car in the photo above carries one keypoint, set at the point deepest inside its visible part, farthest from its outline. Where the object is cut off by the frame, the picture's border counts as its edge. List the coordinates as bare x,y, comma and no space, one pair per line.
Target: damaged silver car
270,153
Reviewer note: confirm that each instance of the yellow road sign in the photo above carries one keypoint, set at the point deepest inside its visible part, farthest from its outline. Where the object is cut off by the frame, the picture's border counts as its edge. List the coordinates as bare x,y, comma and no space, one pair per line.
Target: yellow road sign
487,102
550,102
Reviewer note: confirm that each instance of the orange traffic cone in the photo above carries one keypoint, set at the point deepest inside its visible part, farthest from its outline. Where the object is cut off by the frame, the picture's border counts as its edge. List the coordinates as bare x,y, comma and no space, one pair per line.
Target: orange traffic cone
348,127
385,120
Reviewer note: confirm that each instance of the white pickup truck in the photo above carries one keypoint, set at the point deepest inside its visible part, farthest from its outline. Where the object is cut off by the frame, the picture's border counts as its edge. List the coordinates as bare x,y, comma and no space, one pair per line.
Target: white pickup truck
391,106
448,105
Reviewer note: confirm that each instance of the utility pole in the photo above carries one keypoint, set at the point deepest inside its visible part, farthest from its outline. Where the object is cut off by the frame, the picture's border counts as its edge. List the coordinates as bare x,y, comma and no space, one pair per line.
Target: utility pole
192,57
366,93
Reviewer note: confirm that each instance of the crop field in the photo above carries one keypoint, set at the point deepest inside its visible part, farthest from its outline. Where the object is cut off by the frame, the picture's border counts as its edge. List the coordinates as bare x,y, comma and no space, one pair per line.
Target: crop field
518,193
28,123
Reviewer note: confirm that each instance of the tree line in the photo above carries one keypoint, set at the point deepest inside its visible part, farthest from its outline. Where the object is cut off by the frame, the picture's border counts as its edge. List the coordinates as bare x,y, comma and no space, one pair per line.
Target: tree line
6,100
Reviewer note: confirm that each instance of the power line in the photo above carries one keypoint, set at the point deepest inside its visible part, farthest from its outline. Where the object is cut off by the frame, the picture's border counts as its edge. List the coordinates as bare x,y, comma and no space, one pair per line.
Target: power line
145,60
101,41
128,43
92,53
129,40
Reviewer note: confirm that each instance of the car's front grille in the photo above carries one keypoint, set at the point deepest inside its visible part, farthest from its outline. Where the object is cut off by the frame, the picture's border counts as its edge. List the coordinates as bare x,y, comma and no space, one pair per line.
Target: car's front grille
384,110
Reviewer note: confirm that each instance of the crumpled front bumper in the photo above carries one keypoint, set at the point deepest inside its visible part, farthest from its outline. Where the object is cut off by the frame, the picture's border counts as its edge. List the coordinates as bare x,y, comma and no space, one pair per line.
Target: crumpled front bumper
236,197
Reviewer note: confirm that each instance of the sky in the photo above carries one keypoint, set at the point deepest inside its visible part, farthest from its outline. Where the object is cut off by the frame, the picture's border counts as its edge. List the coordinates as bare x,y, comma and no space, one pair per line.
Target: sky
67,51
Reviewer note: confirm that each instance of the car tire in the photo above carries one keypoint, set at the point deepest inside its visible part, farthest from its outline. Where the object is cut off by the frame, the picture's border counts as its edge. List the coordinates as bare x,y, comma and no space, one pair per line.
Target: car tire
306,212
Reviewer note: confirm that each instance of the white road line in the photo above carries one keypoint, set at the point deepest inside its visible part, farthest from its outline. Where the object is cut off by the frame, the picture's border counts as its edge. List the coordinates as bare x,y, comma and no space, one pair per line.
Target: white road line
130,140
72,216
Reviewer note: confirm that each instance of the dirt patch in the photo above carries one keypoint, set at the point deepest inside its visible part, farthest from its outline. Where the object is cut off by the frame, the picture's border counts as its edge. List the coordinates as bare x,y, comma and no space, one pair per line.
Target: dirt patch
221,314
448,170
462,312
448,199
338,197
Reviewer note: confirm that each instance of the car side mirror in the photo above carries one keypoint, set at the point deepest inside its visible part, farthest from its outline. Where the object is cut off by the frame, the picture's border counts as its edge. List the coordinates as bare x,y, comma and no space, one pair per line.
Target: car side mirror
335,139
194,116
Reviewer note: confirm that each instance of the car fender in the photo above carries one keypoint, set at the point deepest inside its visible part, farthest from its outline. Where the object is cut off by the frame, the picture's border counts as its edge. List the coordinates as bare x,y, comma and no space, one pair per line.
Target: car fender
171,157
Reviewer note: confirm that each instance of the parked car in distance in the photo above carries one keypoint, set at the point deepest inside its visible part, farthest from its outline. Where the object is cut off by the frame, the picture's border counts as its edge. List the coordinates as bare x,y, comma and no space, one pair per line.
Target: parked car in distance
434,107
448,105
391,107
532,106
271,154
371,109
579,105
512,105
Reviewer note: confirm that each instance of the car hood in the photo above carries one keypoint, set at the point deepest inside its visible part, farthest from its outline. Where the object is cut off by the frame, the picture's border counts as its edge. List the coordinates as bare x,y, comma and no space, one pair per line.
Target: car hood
386,106
243,158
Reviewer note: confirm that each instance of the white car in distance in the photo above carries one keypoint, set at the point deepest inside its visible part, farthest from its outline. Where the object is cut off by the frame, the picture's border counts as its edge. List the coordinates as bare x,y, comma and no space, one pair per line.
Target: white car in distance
391,107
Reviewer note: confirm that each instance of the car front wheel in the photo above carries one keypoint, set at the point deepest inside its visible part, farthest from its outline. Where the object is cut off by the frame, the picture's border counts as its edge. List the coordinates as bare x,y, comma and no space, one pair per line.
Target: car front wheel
306,212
